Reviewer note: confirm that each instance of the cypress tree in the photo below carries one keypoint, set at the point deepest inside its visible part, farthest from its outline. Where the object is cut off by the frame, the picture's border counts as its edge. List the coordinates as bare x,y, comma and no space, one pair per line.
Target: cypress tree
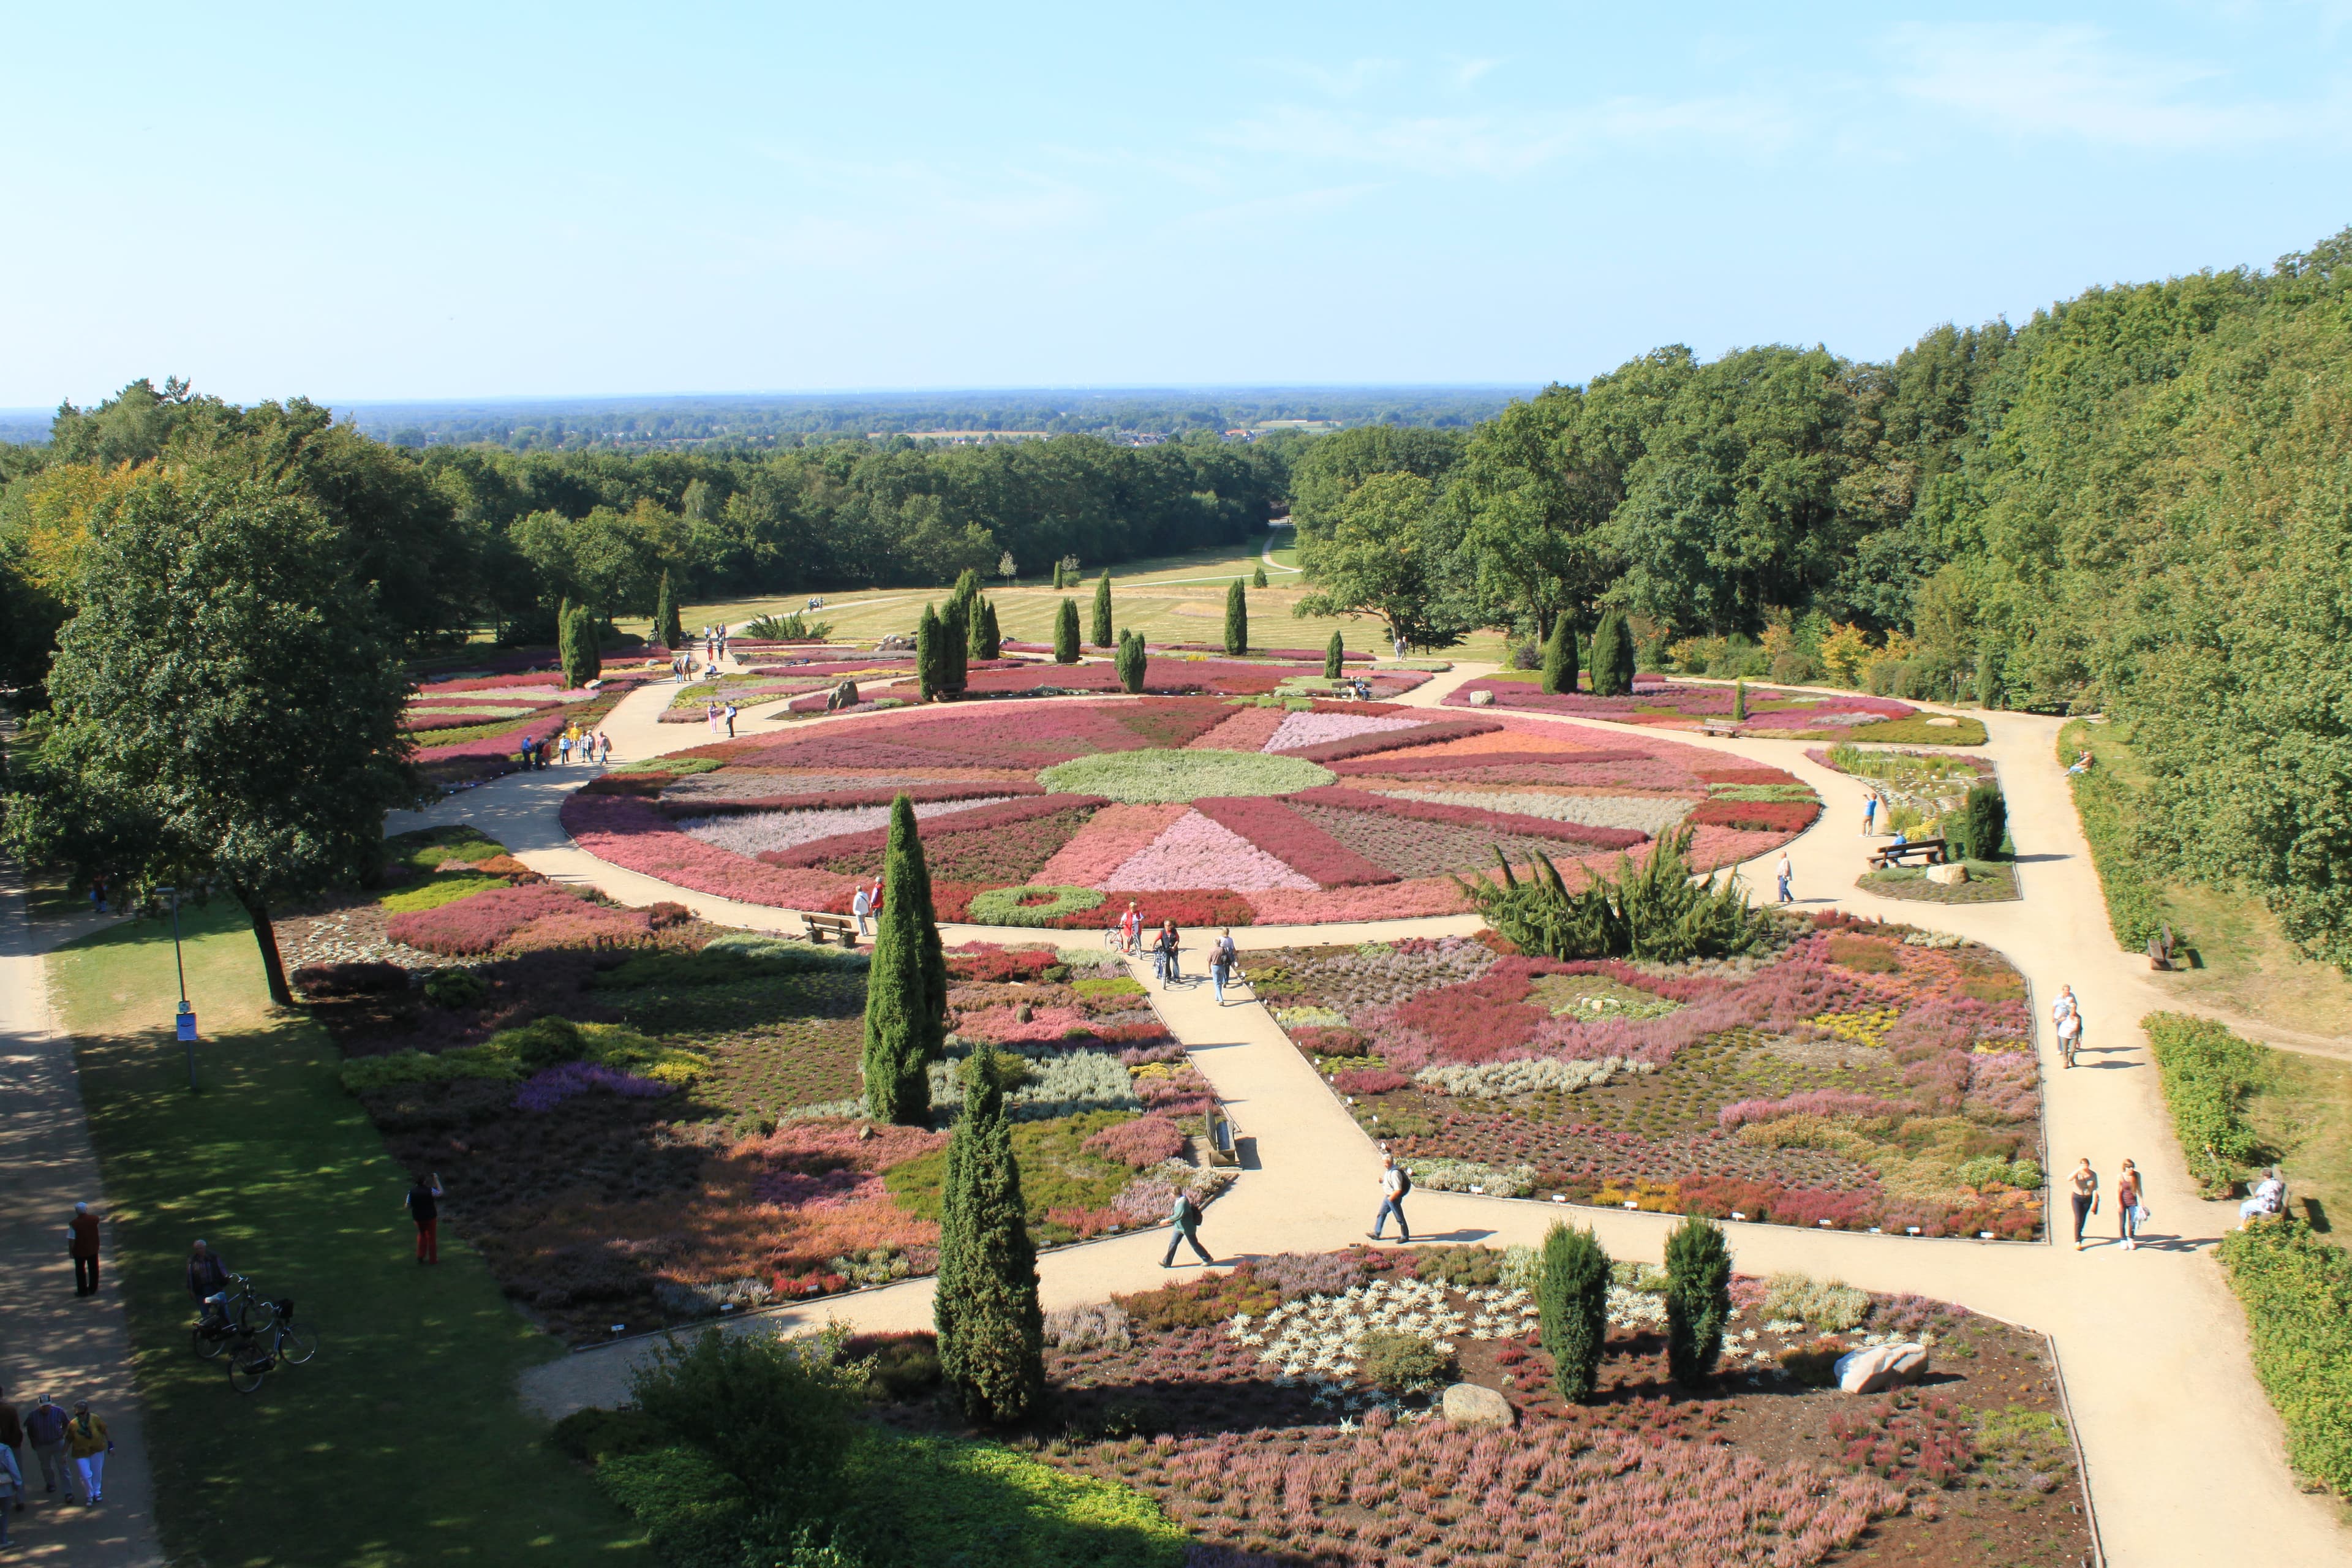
563,635
1740,700
1131,661
1101,628
1236,619
930,658
901,1023
1572,1294
991,1332
1560,656
1698,1298
990,641
1335,654
669,630
1065,633
954,642
1612,656
582,661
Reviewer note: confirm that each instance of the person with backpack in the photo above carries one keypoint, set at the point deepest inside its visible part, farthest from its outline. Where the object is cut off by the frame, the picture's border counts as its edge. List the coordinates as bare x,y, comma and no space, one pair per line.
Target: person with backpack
1163,956
1220,965
731,712
1396,1182
1184,1222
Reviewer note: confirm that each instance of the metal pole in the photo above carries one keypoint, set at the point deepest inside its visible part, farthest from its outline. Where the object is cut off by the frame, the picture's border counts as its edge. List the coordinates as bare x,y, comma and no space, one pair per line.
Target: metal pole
187,1036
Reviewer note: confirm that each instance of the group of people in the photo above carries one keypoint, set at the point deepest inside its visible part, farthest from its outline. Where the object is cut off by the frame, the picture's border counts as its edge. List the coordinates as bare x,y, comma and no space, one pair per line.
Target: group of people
1167,947
1396,1182
718,711
593,746
2131,1208
866,904
66,1448
2066,1017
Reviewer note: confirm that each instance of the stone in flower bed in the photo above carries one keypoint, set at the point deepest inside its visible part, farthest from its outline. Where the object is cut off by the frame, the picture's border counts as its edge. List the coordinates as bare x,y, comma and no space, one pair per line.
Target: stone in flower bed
1380,808
1852,1076
640,1128
1303,1458
1990,882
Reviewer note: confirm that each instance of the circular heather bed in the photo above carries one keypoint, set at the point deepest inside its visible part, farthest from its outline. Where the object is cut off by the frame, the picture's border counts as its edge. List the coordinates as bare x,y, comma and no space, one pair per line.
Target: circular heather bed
1199,809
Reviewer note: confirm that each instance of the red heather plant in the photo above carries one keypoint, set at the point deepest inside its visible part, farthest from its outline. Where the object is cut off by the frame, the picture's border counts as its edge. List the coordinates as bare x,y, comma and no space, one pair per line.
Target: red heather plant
868,844
1297,842
1757,815
635,835
480,923
1428,734
1146,1140
1409,766
1502,822
1810,1102
921,794
1369,1080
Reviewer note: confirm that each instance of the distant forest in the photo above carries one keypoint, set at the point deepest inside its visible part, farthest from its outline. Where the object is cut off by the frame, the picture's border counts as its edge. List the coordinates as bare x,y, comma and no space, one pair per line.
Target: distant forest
758,421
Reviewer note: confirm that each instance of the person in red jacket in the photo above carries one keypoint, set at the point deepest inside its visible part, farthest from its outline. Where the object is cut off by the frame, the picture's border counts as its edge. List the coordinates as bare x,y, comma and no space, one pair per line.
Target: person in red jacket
81,1241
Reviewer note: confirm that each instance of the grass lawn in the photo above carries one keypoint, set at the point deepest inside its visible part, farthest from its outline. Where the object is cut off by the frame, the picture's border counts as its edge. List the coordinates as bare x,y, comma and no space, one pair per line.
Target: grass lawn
402,1443
2244,962
1990,882
2304,1116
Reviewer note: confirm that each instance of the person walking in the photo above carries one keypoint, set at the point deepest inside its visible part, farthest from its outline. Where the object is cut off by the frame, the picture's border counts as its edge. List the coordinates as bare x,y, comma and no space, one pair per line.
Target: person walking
1163,953
1869,814
87,1444
710,716
563,749
731,712
81,1241
1787,874
861,906
2129,1212
1395,1183
424,1206
2085,1197
1131,923
12,1491
1220,963
44,1429
1184,1222
12,1437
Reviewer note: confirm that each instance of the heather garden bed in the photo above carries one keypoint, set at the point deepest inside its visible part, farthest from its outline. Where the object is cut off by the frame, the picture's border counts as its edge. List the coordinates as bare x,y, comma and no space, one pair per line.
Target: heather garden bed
1285,1415
1855,1075
1771,713
470,725
644,1120
1990,882
1201,810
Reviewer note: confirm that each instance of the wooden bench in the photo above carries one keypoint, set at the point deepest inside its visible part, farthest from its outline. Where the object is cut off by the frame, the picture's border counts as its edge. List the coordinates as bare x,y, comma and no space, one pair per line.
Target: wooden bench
820,927
2159,949
1223,1144
1925,851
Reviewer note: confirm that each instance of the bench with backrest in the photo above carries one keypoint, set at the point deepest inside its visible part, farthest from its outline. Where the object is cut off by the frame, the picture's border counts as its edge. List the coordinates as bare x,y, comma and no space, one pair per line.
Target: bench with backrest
820,927
1919,851
1224,1147
2159,949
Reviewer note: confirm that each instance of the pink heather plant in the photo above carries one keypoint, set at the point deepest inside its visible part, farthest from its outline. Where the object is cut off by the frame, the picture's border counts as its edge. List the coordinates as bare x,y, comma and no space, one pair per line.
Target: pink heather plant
753,833
1111,837
633,835
1811,1102
1280,831
1396,901
1197,853
1311,728
1142,1142
1247,731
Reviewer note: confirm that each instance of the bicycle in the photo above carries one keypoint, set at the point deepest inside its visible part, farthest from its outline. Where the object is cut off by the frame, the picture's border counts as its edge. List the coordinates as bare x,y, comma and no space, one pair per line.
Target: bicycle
240,1312
289,1343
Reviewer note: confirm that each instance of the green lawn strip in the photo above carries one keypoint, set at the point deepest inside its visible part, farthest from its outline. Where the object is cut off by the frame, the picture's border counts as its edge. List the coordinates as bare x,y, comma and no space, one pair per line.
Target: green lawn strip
1990,882
1920,731
402,1442
2302,1115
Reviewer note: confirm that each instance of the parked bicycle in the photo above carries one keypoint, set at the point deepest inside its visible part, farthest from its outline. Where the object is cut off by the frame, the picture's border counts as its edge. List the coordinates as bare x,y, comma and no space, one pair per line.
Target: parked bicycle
281,1342
228,1317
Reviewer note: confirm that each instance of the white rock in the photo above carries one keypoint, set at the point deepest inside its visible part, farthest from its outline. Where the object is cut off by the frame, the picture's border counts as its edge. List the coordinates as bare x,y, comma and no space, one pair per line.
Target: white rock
1877,1368
1945,722
1482,699
1468,1404
1950,876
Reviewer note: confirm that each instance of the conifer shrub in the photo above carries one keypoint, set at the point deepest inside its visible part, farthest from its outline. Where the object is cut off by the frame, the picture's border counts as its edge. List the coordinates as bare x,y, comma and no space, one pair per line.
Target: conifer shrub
989,641
1572,1294
1065,633
991,1331
1101,627
1976,830
1559,656
669,630
1740,700
1257,578
1130,661
903,1020
1335,654
1236,619
1612,656
1698,1298
930,655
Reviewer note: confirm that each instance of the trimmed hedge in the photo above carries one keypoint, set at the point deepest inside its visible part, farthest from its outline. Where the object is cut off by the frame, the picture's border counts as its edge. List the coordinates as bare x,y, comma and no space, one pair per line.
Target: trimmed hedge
2208,1072
2297,1292
2106,806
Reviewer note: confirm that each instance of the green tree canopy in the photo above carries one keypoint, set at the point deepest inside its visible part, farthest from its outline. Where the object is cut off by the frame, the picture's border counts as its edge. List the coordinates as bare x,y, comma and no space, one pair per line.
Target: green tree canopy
1390,551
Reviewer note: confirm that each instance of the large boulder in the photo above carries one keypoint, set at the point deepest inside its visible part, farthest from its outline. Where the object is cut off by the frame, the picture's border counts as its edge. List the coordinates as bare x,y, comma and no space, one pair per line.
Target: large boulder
1950,876
1482,699
1468,1404
1877,1368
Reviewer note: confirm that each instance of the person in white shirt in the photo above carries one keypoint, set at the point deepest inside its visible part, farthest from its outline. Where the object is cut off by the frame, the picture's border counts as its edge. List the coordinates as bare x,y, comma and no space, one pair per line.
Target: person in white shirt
861,904
2268,1199
1395,1183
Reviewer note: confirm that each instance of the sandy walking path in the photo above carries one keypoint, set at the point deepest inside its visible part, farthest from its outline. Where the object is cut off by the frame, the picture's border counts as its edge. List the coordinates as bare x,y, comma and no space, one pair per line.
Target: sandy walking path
2180,1447
67,1346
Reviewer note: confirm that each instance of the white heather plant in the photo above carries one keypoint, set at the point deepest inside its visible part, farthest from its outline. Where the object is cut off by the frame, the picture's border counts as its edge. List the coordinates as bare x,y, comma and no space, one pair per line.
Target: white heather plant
1316,1339
1542,1074
1832,1304
1310,1018
1057,1083
1461,1176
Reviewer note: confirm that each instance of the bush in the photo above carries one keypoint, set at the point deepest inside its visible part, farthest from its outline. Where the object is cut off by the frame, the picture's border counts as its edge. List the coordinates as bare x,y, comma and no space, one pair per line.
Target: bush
2297,1292
772,1412
1065,633
1832,1304
2109,809
1794,668
1612,656
351,979
1101,619
1402,1364
1030,906
2208,1072
1814,1364
1572,1294
1698,1298
1146,1140
596,1433
1975,831
1559,656
899,1366
1131,662
1655,912
1237,620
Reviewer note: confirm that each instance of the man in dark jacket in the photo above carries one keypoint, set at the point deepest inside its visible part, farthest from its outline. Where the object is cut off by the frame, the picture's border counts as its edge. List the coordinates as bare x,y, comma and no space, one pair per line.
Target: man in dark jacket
425,1208
207,1275
81,1233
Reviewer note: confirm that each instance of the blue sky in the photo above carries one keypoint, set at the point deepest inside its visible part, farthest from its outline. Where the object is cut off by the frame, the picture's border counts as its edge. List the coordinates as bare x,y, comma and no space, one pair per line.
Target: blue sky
577,199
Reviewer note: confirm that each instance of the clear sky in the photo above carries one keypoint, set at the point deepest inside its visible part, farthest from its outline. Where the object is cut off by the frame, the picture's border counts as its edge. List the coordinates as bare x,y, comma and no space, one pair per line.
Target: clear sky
486,199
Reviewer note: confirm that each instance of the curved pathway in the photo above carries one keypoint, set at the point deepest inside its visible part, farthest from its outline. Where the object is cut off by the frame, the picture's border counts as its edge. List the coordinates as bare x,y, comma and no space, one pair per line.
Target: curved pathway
2180,1447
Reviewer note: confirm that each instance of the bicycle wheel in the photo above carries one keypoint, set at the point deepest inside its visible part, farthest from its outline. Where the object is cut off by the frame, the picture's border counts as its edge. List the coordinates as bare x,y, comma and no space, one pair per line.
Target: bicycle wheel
250,1314
208,1345
1110,939
247,1367
299,1343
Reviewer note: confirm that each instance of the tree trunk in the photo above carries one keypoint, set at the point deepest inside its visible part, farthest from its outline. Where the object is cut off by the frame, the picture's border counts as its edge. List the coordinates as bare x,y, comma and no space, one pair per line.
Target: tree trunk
266,937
